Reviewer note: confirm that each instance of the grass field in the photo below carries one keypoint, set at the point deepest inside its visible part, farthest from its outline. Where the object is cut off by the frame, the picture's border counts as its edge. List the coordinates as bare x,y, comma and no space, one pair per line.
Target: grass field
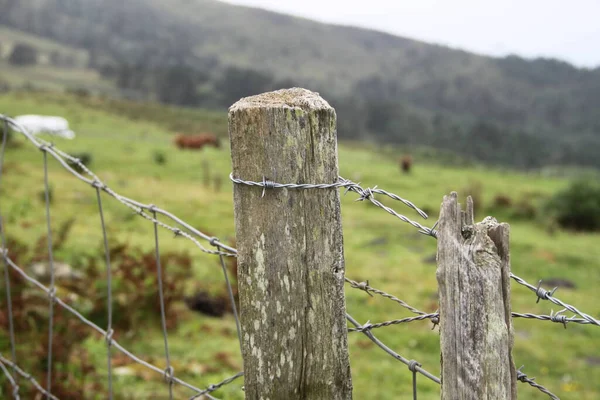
123,139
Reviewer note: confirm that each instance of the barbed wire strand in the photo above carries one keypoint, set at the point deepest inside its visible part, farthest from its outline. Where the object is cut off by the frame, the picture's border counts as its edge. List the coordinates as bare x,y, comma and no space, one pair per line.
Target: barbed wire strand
368,326
391,352
163,318
553,317
11,328
523,378
364,194
214,387
108,294
28,377
52,291
11,380
92,325
136,206
543,294
364,286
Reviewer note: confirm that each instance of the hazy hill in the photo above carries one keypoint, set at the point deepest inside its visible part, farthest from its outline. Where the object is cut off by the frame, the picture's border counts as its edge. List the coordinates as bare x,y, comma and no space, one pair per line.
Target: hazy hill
425,94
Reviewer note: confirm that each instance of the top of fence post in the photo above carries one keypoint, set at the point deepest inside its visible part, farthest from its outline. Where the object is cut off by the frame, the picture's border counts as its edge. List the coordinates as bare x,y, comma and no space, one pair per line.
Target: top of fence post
290,248
475,314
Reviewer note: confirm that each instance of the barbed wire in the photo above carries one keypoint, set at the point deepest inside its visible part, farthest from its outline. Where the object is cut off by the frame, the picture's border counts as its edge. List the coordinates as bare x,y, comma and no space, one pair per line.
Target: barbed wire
543,294
364,286
25,376
364,194
369,326
521,377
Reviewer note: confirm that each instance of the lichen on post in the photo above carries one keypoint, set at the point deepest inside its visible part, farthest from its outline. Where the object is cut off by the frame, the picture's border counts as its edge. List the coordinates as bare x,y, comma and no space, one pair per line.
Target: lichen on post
475,314
290,248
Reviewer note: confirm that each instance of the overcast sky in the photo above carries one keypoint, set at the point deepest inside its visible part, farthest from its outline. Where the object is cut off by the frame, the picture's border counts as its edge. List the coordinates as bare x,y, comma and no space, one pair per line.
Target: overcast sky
568,30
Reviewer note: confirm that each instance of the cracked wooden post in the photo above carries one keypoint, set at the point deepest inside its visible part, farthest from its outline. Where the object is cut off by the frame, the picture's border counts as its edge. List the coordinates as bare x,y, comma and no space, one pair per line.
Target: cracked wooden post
290,248
476,331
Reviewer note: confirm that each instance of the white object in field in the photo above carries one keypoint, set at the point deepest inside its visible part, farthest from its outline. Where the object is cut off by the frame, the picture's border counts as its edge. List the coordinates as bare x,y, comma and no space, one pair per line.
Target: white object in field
36,124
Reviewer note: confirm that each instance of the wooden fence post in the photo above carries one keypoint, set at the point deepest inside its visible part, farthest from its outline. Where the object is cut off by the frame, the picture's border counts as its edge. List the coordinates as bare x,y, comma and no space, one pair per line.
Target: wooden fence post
475,315
290,248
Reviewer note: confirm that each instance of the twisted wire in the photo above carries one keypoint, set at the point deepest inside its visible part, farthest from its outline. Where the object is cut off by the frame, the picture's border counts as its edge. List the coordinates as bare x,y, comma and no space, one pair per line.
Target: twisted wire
368,326
522,377
364,194
28,377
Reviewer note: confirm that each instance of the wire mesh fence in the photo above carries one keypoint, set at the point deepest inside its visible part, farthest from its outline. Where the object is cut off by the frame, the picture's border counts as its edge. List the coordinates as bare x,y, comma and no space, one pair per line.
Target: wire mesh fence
15,375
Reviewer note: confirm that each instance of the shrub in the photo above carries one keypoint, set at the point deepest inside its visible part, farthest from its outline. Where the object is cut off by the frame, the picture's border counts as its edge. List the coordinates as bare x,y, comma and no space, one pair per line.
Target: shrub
160,158
577,207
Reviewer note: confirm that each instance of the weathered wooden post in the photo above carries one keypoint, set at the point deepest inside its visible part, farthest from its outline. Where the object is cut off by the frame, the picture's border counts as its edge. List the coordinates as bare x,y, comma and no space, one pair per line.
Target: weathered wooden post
475,315
290,248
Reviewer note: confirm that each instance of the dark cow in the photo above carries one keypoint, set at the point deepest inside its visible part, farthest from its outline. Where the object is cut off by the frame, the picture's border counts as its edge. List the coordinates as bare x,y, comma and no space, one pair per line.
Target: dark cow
197,141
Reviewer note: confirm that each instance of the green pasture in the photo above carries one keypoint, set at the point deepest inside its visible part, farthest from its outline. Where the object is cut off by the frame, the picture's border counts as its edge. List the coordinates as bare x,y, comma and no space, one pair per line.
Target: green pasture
124,138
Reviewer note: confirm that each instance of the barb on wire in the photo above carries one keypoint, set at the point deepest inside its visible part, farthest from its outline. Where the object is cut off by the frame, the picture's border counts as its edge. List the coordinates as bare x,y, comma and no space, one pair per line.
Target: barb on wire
543,294
368,326
553,317
136,206
364,194
522,377
392,353
28,377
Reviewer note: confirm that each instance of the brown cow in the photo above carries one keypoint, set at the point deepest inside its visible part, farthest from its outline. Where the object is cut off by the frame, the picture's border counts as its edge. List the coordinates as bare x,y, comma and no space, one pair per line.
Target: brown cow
406,163
197,141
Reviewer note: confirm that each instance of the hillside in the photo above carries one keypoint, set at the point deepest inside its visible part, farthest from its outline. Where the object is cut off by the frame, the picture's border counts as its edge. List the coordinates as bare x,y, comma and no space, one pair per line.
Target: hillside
386,88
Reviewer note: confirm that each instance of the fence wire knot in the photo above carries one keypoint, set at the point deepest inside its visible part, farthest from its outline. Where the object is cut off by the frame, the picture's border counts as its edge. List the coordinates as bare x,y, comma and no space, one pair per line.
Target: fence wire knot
98,185
109,337
435,320
521,376
46,146
365,194
267,184
176,232
363,286
168,374
52,294
214,241
151,208
543,293
559,317
366,327
412,365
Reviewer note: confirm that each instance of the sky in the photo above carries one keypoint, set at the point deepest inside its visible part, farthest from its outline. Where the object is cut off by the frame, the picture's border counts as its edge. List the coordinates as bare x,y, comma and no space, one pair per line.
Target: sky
567,30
